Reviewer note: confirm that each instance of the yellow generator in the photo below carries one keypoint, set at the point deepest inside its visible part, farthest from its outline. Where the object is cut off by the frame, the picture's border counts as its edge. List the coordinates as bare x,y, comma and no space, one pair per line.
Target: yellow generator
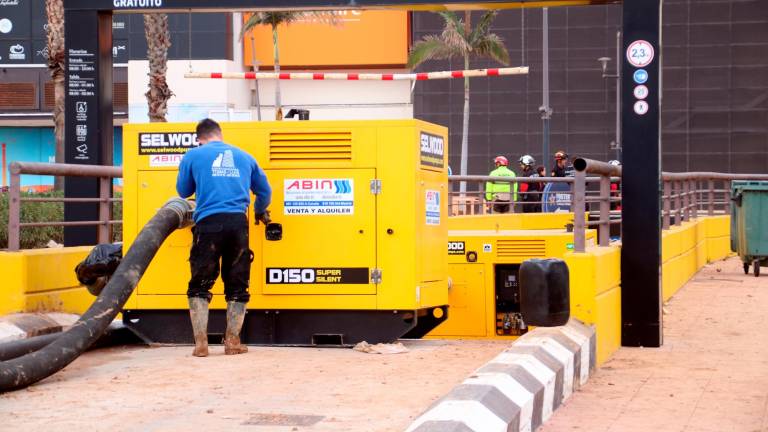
484,256
363,210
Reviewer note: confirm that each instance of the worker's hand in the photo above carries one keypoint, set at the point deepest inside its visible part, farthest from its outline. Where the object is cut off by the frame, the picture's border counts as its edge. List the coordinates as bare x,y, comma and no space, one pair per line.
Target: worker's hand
263,217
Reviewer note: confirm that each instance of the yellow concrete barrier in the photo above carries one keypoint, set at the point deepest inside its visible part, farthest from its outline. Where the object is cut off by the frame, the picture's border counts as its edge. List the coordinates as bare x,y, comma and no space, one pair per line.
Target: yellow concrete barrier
686,248
43,280
596,294
14,283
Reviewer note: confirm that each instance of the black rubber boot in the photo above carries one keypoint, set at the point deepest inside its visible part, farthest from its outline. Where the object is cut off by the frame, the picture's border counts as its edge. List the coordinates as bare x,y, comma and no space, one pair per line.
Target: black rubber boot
198,314
235,317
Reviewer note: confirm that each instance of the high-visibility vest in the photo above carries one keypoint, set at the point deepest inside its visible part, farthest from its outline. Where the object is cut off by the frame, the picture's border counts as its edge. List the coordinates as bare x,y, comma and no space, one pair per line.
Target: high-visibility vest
493,189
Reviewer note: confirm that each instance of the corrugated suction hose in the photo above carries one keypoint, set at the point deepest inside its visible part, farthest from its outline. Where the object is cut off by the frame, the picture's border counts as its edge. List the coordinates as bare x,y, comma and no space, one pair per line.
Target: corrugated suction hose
31,368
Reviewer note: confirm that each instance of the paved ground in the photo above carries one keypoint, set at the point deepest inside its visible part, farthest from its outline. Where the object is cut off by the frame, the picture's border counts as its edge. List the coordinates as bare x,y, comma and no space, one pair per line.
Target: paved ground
710,375
166,389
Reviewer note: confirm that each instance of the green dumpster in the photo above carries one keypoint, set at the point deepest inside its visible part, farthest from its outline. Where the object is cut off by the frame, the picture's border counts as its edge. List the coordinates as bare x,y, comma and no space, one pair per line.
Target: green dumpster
749,223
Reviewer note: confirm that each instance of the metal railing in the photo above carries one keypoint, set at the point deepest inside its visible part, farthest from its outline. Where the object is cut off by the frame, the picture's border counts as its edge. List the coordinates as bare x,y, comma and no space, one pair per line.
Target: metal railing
105,174
606,173
684,196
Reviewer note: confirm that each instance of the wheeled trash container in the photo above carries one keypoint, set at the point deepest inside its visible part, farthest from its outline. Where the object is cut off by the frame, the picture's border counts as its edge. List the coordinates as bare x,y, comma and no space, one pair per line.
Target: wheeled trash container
749,230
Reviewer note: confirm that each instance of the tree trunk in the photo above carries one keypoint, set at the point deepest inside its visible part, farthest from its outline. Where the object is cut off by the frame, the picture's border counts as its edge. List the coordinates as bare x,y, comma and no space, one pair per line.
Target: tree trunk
278,103
158,42
465,130
54,9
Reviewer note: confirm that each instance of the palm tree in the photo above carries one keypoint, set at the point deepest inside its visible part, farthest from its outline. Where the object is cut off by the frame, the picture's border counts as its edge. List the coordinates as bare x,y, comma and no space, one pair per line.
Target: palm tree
274,19
158,42
54,9
458,39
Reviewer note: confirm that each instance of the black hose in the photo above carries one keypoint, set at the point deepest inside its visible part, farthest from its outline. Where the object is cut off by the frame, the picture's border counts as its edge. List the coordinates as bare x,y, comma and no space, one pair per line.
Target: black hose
115,334
31,368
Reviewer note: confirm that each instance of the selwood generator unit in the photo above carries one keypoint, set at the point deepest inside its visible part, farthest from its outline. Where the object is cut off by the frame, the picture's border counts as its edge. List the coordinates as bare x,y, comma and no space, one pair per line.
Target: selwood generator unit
363,211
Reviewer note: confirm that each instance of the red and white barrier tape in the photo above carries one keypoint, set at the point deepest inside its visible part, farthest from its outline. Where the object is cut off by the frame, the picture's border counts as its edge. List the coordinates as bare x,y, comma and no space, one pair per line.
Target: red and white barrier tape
470,73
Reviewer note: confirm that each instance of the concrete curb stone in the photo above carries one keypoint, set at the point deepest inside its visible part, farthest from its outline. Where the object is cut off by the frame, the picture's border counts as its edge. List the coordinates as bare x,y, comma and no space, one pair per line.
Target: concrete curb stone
520,388
25,325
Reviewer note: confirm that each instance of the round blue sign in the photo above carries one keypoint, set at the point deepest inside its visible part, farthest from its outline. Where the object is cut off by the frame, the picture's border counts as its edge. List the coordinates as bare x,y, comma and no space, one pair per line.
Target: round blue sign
556,198
641,76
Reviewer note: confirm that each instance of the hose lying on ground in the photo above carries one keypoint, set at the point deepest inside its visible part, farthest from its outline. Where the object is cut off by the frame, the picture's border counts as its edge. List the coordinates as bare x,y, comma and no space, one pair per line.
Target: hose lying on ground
115,334
31,368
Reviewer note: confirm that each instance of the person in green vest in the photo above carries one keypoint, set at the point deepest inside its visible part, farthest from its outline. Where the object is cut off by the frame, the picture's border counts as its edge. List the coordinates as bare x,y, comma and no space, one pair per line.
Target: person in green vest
501,194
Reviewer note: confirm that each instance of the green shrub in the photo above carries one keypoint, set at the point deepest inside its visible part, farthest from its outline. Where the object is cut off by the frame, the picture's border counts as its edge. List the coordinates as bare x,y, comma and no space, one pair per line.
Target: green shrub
38,237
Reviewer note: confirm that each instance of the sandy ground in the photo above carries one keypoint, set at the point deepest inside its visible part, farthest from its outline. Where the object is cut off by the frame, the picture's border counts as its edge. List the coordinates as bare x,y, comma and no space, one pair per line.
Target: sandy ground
711,375
267,389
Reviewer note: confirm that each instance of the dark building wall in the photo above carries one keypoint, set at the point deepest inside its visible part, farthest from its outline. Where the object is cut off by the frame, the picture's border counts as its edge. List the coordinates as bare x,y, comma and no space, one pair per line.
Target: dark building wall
715,86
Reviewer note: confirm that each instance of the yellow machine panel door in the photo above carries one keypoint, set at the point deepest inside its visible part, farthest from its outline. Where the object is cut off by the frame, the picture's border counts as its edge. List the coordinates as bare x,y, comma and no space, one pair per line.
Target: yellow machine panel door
466,315
329,232
169,271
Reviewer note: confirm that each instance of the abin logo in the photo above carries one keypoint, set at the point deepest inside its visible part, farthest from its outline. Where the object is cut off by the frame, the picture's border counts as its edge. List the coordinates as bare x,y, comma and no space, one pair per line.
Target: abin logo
224,165
318,196
342,186
318,185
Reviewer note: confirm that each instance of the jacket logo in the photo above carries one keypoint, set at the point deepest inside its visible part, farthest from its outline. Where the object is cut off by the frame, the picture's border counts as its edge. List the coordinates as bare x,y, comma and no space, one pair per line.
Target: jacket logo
224,165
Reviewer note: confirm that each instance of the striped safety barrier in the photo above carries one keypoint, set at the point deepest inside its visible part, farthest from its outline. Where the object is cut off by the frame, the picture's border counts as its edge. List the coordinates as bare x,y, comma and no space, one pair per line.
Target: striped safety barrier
342,76
520,388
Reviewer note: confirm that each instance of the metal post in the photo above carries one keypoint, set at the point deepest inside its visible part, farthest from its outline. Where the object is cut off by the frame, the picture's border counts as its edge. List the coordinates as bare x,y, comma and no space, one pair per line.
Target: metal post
727,194
667,213
545,109
711,198
105,184
678,203
686,200
14,206
618,96
605,211
579,189
694,198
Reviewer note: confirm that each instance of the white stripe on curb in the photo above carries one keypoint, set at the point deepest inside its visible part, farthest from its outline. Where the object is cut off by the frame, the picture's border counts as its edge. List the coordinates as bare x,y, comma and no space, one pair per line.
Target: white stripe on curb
472,413
558,351
583,342
511,389
543,355
539,370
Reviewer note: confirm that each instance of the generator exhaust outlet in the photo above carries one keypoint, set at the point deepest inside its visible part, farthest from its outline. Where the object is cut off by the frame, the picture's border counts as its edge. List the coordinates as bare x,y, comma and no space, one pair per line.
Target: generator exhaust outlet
33,367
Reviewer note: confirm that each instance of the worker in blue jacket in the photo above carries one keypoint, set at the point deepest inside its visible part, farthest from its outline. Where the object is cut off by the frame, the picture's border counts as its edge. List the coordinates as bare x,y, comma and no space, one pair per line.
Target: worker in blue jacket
221,177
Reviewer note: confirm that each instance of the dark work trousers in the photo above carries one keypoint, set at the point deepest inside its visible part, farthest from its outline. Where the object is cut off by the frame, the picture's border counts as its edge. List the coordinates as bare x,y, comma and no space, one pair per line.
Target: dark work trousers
221,237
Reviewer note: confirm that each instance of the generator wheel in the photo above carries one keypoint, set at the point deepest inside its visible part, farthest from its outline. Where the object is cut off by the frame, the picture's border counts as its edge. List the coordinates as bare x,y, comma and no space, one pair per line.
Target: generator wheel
756,266
746,268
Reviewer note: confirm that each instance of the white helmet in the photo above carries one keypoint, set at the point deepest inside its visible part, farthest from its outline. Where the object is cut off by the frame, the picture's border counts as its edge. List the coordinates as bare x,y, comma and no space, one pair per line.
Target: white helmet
527,160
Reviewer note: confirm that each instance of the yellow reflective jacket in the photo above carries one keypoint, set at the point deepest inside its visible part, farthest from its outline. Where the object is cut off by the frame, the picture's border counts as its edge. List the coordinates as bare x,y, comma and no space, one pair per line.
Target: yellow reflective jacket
493,188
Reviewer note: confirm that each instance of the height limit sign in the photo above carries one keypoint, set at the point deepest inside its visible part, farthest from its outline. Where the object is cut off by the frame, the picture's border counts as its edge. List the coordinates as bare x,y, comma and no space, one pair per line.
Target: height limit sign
640,53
